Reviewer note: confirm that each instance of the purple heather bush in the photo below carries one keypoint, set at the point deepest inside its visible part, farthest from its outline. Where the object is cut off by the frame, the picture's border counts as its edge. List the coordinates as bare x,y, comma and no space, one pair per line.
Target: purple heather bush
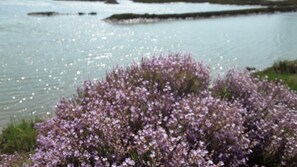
271,117
162,112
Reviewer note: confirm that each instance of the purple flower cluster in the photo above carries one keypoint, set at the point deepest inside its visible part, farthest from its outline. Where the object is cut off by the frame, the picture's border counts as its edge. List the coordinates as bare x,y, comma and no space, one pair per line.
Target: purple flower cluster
270,119
161,112
7,160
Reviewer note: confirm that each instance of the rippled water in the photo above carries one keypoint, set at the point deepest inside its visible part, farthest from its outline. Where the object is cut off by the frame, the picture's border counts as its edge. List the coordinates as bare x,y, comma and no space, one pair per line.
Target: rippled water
45,58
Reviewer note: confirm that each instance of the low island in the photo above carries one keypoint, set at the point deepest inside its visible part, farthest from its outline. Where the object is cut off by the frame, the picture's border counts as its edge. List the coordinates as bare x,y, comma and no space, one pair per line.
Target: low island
230,2
142,18
51,13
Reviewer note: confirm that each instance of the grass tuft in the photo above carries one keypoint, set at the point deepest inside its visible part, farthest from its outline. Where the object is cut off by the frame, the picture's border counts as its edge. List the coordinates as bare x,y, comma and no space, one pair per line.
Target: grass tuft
285,71
18,137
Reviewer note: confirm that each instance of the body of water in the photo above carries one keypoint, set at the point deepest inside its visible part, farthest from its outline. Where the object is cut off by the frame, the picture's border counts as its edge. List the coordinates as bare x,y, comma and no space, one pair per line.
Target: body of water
45,58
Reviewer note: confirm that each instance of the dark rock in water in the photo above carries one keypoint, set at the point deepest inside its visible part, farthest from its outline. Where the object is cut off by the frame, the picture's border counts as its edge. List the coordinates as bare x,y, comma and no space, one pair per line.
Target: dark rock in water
44,14
92,13
111,2
81,13
250,68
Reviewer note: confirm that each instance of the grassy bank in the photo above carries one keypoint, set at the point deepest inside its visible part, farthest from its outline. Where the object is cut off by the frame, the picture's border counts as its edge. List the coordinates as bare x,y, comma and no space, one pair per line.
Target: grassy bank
18,137
17,141
283,70
131,16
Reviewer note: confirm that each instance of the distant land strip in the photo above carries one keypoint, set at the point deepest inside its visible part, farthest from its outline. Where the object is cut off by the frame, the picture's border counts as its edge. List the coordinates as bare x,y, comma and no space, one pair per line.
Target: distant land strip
51,13
130,18
106,1
230,2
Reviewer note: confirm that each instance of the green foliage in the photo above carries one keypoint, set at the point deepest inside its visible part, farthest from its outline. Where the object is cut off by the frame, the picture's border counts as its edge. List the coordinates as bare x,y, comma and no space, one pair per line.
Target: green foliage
285,67
283,70
18,137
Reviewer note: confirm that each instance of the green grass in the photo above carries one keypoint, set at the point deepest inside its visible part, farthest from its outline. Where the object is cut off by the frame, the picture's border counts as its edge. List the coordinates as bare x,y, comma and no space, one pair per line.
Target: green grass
17,142
18,137
283,70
